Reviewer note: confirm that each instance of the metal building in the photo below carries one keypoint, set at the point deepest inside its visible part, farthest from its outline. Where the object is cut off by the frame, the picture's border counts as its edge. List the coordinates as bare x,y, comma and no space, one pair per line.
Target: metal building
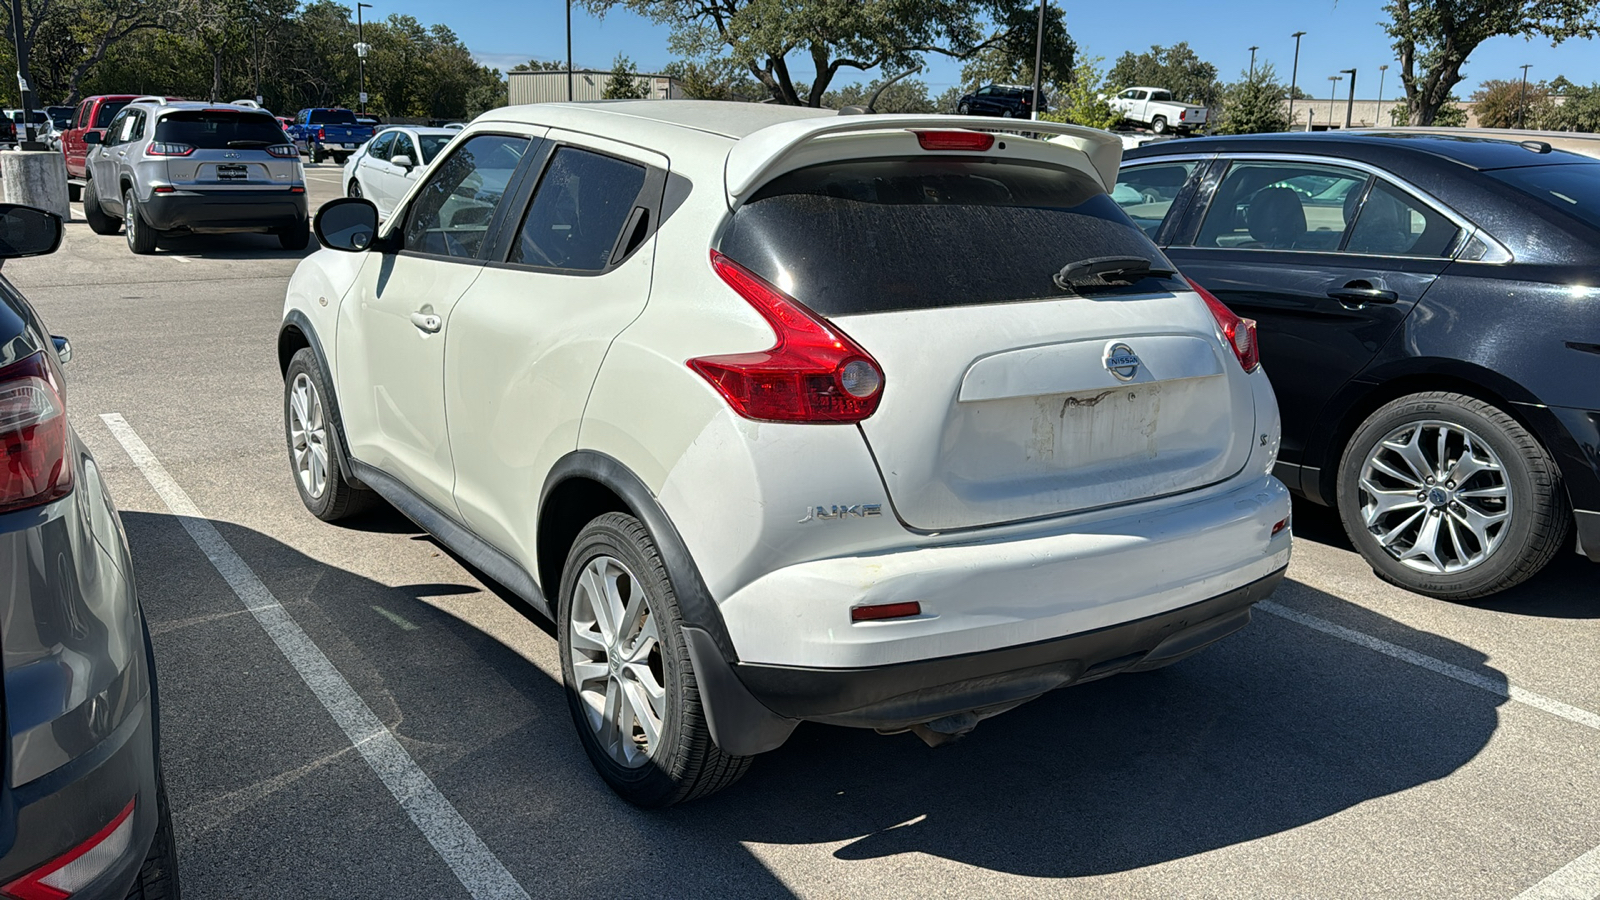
551,87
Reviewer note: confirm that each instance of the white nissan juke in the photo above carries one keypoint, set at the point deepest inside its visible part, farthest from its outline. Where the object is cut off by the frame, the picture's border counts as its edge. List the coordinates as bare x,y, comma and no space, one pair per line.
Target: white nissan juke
782,415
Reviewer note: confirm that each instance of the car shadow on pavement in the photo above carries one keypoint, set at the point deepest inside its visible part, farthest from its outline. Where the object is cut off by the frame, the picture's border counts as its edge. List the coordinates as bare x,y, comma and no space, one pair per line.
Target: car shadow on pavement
1272,729
246,245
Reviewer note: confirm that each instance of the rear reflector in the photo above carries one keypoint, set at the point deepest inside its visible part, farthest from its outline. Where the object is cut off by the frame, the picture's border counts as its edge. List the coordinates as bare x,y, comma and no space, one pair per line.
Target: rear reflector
297,189
1278,528
885,611
955,140
75,870
163,189
34,468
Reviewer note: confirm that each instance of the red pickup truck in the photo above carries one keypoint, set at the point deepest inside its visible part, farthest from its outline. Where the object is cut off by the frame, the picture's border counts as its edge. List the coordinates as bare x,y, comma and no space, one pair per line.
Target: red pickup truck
94,114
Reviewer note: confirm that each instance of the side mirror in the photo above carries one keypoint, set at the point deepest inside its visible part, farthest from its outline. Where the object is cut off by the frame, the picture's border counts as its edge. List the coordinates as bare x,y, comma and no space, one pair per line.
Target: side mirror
403,161
92,137
348,223
25,231
63,348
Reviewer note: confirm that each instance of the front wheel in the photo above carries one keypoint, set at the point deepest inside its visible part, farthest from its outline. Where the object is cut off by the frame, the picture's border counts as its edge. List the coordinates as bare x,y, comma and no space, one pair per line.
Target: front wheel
625,664
964,109
1449,496
1159,125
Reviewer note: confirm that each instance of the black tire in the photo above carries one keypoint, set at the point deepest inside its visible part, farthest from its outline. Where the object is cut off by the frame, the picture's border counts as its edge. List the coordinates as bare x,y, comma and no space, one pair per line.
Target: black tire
353,189
685,763
1159,125
339,158
141,237
339,499
296,237
1005,114
316,153
1539,515
964,109
158,875
99,221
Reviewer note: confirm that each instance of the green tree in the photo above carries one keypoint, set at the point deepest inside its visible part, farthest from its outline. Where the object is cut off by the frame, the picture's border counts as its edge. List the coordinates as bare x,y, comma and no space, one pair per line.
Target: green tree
949,100
1450,115
1434,38
625,83
540,65
1505,104
1177,68
1579,112
719,78
908,95
1080,100
1008,59
1254,104
764,36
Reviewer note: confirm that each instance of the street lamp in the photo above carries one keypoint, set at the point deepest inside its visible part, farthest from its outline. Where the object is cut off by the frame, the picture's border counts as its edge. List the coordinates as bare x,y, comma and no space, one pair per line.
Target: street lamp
361,57
1038,60
1333,90
1522,101
1253,62
569,51
1383,70
1294,74
1349,107
30,137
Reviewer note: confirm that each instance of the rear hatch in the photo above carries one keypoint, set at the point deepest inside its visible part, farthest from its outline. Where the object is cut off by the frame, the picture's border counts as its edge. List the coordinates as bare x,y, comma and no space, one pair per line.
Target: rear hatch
225,149
1006,397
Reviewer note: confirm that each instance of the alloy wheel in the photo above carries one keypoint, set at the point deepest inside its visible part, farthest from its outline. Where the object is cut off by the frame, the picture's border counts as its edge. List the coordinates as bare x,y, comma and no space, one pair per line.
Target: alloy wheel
308,436
616,660
1435,496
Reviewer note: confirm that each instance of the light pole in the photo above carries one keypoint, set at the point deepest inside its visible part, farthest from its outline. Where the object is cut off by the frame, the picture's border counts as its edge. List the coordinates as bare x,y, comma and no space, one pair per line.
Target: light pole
1333,90
1294,74
1253,62
569,51
361,57
1522,100
1349,107
30,138
1383,70
1038,59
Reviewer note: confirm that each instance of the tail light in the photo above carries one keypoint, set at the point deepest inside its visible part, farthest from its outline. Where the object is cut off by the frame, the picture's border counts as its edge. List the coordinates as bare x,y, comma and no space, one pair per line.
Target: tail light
1239,333
33,435
75,870
160,148
284,151
322,134
955,140
814,373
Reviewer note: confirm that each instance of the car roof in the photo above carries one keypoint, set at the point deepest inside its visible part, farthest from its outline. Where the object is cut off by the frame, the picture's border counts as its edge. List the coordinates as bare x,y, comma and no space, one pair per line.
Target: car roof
1466,150
727,119
1579,142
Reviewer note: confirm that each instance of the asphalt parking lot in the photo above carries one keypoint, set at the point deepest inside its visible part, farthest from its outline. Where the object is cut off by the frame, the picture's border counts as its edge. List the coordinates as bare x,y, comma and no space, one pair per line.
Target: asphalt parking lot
1355,741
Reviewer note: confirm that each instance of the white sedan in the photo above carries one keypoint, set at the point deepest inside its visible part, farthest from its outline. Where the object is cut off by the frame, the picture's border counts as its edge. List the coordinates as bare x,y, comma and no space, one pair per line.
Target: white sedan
386,166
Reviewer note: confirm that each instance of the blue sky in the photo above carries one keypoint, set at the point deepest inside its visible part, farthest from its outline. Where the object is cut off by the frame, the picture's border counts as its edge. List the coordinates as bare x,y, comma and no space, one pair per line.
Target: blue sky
1338,36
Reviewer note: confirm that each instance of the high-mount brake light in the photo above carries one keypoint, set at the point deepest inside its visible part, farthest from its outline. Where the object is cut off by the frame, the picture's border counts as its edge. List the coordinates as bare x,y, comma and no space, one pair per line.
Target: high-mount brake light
34,468
1239,333
977,141
814,373
75,870
160,148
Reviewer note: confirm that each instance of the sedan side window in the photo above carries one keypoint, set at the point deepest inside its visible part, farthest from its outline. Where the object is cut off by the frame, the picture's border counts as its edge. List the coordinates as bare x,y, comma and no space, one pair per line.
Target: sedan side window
1146,193
582,203
452,210
114,130
1392,223
1282,206
404,147
380,145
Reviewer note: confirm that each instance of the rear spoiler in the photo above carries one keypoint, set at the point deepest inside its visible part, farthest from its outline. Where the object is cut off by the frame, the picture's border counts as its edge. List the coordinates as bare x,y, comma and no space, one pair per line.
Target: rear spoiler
764,152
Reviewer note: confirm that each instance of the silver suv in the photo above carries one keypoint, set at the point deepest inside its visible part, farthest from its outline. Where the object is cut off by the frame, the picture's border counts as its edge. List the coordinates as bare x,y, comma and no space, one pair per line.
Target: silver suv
173,166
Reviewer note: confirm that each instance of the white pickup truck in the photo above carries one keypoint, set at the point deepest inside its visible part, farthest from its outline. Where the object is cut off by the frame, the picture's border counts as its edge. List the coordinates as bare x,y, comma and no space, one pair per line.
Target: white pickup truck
1153,107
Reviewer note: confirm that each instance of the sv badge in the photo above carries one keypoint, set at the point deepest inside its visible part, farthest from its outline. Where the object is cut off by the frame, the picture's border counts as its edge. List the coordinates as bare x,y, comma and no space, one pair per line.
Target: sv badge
837,513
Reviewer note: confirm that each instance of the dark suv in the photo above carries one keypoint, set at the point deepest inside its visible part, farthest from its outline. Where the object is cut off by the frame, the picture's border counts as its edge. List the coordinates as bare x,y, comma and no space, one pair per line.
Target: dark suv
1429,315
1008,101
83,813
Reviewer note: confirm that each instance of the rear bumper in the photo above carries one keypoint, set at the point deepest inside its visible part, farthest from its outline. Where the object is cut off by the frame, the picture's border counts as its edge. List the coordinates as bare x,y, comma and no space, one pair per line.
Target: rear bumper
224,210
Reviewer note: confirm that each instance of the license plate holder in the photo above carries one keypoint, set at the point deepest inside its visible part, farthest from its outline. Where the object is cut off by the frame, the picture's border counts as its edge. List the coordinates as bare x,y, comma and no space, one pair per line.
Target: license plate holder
233,172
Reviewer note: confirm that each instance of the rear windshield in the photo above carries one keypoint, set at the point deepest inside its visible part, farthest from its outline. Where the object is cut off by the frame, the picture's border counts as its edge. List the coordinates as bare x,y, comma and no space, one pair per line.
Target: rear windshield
332,117
869,236
108,111
1573,189
216,130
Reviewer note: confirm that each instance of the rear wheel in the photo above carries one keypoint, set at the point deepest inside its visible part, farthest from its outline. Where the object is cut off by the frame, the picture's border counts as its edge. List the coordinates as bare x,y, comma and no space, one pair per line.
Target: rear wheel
353,189
339,158
630,686
141,237
296,237
1449,496
1159,124
314,450
964,109
99,221
316,153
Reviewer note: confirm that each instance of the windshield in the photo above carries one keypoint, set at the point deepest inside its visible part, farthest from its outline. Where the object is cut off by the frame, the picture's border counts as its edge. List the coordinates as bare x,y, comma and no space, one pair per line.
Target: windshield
865,236
432,144
217,130
1573,189
333,117
108,111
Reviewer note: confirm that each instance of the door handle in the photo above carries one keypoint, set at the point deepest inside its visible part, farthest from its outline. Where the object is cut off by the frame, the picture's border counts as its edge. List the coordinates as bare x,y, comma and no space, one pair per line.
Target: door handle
427,321
1357,297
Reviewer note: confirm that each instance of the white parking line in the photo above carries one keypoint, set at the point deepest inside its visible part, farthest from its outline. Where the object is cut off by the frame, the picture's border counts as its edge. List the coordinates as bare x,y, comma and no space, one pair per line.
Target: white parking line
1577,880
478,869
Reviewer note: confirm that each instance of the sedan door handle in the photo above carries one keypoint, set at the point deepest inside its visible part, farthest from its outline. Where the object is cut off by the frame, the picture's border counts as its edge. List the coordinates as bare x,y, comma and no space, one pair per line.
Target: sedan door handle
1361,296
427,321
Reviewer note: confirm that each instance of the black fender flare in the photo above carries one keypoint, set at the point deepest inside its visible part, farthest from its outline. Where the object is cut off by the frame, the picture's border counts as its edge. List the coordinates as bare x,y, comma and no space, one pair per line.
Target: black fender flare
296,321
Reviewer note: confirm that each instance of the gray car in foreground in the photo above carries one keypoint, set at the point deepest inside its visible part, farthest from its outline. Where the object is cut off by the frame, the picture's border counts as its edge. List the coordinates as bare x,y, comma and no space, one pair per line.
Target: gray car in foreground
83,812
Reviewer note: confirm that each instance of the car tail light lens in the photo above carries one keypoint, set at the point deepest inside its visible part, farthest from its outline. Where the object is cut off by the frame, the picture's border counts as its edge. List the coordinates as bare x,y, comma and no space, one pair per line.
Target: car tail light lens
814,373
955,140
322,134
75,870
160,148
1240,334
33,435
284,151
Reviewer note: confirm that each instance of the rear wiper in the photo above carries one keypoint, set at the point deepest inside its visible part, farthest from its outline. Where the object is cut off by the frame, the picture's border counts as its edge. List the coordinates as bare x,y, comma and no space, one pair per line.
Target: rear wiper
1102,270
248,144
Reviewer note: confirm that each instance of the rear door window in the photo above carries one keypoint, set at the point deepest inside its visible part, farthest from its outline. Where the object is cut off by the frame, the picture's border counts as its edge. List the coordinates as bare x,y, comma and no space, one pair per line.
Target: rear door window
867,236
1282,206
1146,193
451,212
578,211
217,130
1393,223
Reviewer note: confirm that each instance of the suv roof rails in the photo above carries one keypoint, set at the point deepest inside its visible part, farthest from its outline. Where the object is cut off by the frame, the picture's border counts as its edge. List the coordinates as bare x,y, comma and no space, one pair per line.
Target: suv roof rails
247,104
148,98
